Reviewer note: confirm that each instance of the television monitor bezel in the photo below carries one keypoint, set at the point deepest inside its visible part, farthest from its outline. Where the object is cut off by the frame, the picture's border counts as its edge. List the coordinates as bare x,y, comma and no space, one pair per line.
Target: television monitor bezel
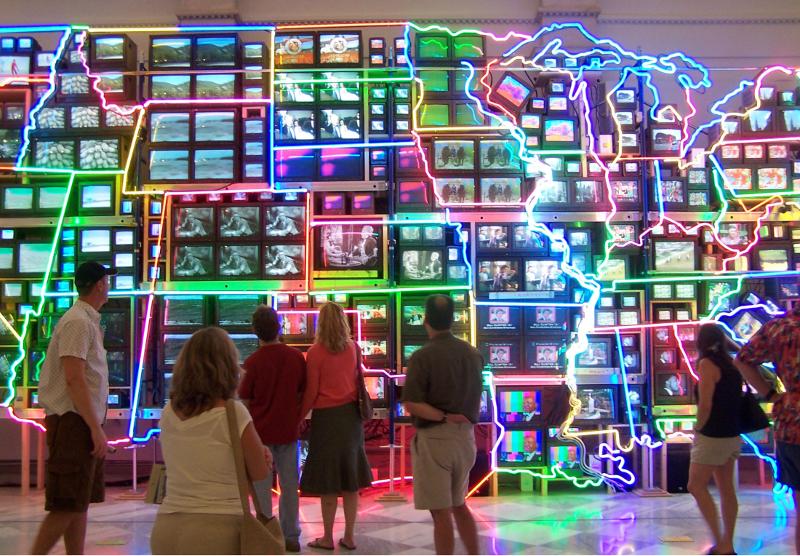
505,101
537,421
557,367
402,277
550,144
378,324
491,260
322,271
660,399
183,326
783,127
432,60
176,209
22,212
155,66
297,339
467,171
18,256
673,205
480,244
552,293
237,52
747,128
756,178
653,130
342,149
173,261
559,323
220,209
514,327
786,248
318,48
409,302
313,110
128,52
125,319
253,275
301,36
610,354
383,401
600,188
414,207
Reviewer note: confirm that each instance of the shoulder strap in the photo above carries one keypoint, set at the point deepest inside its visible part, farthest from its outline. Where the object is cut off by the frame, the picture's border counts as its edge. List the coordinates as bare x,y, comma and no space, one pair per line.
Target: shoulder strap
238,458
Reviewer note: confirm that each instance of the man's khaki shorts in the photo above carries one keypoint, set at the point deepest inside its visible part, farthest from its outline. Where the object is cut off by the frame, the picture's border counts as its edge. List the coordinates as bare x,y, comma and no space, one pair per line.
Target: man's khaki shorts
442,456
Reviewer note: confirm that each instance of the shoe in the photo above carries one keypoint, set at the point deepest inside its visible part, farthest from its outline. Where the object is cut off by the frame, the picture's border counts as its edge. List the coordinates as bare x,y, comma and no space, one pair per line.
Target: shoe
346,546
318,545
292,546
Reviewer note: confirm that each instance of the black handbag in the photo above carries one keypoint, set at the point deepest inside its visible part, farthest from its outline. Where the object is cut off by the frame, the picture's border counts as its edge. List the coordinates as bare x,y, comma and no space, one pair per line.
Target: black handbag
751,417
364,401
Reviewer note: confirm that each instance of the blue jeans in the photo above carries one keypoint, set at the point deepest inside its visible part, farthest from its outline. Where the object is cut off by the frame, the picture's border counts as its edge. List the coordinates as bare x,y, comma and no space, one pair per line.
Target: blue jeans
284,457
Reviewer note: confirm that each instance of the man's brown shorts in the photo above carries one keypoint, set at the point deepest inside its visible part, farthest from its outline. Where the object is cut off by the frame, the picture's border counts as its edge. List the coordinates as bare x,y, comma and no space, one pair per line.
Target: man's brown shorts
74,476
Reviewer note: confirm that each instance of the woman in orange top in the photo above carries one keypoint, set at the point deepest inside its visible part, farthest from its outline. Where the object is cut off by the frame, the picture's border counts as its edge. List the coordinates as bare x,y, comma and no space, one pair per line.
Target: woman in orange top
336,464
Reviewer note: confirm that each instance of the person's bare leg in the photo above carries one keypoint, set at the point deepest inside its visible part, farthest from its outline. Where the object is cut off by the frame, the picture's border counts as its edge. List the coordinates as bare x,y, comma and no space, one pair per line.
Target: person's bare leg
75,535
350,503
443,536
729,505
467,529
329,502
796,496
53,527
699,476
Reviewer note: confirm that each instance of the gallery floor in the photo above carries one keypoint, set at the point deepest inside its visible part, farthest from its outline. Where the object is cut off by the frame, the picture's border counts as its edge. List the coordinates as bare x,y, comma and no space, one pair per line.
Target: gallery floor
562,523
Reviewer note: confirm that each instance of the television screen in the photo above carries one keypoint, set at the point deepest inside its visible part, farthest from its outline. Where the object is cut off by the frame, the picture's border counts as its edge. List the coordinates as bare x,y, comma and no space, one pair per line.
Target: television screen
96,241
544,354
501,354
373,349
422,265
520,448
214,126
759,120
341,86
213,164
296,325
18,198
294,87
454,155
791,120
435,81
240,221
174,52
468,46
246,345
51,118
169,164
239,261
215,51
295,125
236,310
672,385
166,127
596,404
734,233
528,239
215,86
773,259
340,48
171,347
284,221
294,50
34,258
349,247
413,315
111,83
84,116
499,155
170,86
565,457
193,222
295,164
455,191
545,275
773,179
518,405
193,261
376,387
499,319
53,154
559,131
284,261
746,325
340,123
545,317
341,163
492,237
114,325
513,91
74,84
96,154
432,47
597,354
109,48
498,276
675,256
666,140
6,261
501,190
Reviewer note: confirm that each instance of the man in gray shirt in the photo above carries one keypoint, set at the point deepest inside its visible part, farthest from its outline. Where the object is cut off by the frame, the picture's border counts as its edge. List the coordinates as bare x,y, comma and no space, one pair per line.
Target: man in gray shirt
442,392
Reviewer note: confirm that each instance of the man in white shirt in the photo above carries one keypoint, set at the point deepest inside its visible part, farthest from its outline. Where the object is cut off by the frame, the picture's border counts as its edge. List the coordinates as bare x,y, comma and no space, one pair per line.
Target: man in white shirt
73,390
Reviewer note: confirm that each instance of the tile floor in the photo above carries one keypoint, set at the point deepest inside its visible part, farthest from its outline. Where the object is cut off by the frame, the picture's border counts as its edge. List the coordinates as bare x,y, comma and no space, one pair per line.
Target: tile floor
562,523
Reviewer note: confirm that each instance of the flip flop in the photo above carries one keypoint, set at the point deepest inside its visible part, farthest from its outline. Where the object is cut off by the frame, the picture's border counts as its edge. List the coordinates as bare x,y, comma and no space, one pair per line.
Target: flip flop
346,546
319,546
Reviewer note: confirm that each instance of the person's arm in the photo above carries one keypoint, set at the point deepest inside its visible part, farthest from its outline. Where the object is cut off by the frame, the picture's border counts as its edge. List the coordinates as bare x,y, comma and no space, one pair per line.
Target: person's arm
78,391
257,457
247,386
756,351
312,383
709,376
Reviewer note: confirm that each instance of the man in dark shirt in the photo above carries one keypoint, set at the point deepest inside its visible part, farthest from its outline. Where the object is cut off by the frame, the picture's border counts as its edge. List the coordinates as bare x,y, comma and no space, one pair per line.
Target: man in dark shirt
272,388
778,342
442,392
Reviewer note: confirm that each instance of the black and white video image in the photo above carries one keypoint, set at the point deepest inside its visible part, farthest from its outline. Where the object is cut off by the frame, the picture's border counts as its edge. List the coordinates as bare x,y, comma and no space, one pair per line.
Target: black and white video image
194,222
284,261
194,261
238,260
284,221
349,246
239,222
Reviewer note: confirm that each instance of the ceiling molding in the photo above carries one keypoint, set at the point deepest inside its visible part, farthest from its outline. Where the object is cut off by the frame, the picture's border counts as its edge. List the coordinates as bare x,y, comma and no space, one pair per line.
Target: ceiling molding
665,20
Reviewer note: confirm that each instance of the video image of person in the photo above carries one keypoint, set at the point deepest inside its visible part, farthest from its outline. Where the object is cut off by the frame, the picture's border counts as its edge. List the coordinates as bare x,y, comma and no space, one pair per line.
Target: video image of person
500,355
422,265
595,404
546,355
498,276
544,276
337,88
499,315
674,385
297,125
520,447
492,237
283,260
193,261
238,260
373,348
284,221
413,315
346,246
239,222
520,407
294,325
194,222
341,124
545,315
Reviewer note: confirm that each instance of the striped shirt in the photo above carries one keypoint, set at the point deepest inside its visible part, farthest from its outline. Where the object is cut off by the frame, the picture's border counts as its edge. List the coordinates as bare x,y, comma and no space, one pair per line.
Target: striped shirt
77,334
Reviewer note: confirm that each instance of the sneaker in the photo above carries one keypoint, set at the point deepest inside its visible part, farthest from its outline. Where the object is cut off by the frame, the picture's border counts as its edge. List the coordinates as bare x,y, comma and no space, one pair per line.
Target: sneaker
292,546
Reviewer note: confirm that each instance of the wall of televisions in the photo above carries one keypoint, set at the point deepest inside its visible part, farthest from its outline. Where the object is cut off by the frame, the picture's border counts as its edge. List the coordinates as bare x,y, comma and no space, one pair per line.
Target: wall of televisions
584,225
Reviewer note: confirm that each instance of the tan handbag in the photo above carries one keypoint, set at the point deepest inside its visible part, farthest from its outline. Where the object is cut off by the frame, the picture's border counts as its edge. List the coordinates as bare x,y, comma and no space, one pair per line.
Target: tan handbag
259,534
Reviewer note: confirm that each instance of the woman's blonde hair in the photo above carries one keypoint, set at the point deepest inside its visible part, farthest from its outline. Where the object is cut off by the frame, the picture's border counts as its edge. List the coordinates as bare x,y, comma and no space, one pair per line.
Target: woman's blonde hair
207,370
333,330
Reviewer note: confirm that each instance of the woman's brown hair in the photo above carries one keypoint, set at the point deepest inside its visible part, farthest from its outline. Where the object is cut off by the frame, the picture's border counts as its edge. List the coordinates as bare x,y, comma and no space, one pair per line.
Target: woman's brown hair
333,330
207,370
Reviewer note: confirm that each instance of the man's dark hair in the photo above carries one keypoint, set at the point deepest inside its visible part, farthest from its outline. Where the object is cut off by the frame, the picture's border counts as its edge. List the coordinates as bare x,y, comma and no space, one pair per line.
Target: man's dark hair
439,312
265,323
